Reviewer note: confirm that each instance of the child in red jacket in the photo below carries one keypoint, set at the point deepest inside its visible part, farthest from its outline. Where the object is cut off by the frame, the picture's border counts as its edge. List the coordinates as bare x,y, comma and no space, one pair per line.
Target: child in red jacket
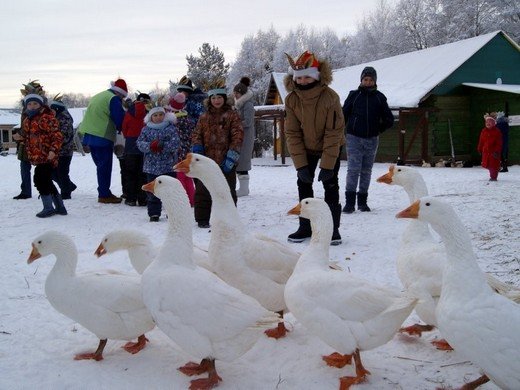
490,146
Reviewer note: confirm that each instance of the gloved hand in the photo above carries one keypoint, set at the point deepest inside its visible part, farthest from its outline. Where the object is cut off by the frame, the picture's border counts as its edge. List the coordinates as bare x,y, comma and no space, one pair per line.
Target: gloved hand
199,149
325,175
304,175
156,146
230,161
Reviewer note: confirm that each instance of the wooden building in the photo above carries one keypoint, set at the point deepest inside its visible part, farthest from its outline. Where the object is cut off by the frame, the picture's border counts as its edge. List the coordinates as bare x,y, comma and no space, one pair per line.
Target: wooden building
439,96
9,119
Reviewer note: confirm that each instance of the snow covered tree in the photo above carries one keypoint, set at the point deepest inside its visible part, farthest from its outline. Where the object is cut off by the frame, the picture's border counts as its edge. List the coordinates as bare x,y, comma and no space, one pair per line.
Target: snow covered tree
419,24
208,67
470,18
71,99
255,60
325,43
377,35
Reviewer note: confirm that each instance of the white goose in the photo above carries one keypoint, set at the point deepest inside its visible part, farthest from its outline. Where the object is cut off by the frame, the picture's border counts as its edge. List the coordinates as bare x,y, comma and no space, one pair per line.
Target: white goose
106,303
480,325
141,250
347,313
257,265
202,314
421,257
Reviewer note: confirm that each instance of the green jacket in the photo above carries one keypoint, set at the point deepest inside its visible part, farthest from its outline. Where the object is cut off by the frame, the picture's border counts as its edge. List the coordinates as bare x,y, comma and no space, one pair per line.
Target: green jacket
97,120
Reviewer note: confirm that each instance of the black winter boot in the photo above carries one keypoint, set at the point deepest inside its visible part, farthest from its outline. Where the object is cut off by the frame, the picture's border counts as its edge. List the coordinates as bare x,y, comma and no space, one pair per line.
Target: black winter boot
336,217
304,231
504,166
48,209
362,202
58,203
350,202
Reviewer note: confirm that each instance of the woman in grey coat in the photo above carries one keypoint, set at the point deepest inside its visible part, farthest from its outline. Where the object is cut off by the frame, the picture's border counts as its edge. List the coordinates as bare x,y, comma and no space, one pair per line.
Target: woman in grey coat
245,107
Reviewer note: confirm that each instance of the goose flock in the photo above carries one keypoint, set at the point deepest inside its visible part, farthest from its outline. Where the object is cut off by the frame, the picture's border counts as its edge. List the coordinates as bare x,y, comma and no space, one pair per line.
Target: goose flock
216,303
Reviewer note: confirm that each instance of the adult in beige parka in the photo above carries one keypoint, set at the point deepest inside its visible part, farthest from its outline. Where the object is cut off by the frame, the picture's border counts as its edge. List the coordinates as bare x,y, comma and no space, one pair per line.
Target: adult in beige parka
314,129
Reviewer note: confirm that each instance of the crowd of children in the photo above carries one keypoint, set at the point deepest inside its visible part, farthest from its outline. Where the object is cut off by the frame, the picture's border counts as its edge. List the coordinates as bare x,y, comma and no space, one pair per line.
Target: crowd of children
157,135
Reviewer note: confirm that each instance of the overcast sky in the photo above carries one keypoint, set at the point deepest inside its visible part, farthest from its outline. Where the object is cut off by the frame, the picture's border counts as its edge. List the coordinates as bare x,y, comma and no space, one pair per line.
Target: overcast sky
80,46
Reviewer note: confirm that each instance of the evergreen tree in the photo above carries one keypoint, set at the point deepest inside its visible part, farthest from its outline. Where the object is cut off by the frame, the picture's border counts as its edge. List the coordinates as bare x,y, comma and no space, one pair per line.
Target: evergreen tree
208,67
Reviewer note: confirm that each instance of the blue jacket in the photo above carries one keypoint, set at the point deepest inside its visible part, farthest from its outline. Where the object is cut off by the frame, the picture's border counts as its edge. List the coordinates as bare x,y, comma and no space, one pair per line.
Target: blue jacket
167,135
367,113
195,104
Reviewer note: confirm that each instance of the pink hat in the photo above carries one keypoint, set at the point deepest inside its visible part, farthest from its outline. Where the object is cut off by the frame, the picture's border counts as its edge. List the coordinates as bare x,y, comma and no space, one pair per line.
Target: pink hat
490,117
177,102
119,86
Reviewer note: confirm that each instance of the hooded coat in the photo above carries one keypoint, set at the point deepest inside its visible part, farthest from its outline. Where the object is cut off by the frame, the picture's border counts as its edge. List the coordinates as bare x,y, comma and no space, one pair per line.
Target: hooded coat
314,122
490,146
42,135
246,109
217,131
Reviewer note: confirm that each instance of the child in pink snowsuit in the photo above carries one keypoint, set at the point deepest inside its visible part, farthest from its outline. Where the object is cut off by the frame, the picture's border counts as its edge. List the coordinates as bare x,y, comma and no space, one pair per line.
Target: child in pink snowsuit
185,125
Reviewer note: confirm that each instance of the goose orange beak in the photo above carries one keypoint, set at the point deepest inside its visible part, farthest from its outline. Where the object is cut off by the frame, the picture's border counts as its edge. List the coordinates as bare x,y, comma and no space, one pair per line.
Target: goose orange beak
387,177
184,165
34,255
100,251
411,211
149,186
296,210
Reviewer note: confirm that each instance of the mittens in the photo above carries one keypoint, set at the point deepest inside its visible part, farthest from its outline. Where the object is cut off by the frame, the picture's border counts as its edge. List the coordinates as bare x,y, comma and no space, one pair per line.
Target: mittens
230,161
325,175
199,149
156,146
304,175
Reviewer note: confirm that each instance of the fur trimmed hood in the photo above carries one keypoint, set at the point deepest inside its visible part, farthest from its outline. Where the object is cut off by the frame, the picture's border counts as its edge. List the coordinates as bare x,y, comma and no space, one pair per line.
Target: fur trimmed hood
230,101
243,99
168,117
325,76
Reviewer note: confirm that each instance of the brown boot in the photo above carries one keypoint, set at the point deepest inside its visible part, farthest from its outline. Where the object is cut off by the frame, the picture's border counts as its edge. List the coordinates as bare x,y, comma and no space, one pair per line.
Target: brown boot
110,199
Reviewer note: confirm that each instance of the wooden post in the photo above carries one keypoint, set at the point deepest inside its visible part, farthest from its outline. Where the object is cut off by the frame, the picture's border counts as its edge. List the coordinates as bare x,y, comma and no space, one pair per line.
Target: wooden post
282,137
275,146
425,136
402,132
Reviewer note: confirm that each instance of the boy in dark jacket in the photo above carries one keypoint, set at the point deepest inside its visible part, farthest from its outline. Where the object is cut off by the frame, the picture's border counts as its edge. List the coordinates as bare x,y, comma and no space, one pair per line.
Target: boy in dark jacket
133,123
367,115
61,173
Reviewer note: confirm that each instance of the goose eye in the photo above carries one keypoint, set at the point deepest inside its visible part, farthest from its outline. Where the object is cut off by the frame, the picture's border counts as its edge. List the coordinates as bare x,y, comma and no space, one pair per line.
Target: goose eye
106,239
39,242
427,203
307,202
399,170
160,181
197,159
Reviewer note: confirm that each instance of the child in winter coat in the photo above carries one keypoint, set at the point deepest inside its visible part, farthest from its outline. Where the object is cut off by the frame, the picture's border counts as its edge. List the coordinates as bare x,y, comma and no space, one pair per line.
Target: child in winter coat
490,146
218,135
132,126
43,139
159,141
185,126
61,173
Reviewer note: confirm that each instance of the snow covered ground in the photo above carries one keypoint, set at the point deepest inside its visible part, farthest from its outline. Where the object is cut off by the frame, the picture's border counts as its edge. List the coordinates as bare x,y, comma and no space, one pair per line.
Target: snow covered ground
37,344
